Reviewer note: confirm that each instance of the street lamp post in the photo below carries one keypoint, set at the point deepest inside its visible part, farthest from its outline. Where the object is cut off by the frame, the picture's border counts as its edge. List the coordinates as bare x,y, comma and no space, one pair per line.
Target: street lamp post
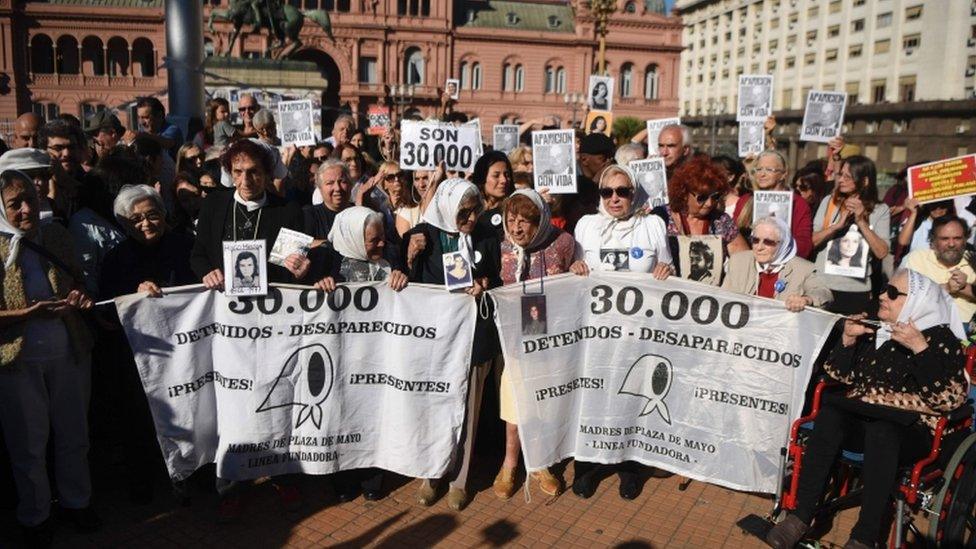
573,101
401,95
601,13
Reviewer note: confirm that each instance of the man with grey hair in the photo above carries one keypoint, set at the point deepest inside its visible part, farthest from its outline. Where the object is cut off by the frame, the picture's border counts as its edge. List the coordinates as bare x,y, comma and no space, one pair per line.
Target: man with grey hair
628,152
264,124
342,130
674,144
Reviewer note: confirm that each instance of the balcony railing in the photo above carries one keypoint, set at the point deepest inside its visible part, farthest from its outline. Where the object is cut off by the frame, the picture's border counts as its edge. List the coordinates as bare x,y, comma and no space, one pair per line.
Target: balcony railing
103,81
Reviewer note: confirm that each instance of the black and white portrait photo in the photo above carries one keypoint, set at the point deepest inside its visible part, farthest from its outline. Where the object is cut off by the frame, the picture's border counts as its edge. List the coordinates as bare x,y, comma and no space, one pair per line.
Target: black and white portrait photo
533,315
245,268
752,137
773,204
457,271
600,93
653,179
614,259
453,88
701,258
554,160
755,97
505,137
847,255
599,122
823,116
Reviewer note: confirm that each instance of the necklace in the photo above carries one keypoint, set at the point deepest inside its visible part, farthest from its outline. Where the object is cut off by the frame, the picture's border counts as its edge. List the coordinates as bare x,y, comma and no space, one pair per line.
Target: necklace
249,221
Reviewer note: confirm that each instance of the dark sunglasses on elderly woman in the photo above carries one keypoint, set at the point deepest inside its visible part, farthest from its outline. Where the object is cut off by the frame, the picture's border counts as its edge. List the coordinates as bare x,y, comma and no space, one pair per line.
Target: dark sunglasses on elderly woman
893,292
704,197
622,192
766,241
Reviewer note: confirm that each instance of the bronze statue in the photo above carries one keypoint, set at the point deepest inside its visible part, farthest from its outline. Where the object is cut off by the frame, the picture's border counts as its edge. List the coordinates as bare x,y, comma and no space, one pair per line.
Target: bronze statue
282,21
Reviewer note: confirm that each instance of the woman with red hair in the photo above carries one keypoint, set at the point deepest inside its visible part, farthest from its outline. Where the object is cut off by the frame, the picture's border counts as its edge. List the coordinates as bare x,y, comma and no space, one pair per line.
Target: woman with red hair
695,193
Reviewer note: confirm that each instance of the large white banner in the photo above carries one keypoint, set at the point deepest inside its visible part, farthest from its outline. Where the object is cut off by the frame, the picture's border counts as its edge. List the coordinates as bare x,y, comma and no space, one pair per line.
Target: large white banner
678,375
301,381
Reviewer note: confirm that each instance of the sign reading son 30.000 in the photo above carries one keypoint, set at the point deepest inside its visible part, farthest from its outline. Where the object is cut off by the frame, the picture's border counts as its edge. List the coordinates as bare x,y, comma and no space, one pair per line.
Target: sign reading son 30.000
424,145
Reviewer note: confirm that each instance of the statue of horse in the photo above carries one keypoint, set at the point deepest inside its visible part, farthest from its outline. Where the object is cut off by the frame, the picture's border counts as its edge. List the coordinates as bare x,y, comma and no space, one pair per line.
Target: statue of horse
283,26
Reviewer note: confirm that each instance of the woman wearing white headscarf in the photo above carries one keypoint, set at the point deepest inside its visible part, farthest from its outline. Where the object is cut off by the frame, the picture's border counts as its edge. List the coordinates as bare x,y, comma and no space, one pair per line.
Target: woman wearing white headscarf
533,248
898,381
358,236
620,237
449,225
45,365
773,269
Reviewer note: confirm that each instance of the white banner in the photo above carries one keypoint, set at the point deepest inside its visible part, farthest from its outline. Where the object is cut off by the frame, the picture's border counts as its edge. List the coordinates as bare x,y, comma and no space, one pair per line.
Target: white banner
299,381
424,145
682,376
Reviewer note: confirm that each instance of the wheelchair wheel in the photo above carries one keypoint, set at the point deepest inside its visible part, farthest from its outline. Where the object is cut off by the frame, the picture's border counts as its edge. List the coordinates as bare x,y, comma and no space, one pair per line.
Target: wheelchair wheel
953,522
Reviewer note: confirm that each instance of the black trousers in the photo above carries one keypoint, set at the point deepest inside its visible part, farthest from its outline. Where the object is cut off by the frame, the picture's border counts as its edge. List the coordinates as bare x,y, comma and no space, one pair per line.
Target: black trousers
886,445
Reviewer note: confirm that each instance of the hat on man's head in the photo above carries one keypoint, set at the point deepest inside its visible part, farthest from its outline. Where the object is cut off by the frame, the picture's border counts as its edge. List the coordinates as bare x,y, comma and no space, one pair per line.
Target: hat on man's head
103,119
25,160
597,143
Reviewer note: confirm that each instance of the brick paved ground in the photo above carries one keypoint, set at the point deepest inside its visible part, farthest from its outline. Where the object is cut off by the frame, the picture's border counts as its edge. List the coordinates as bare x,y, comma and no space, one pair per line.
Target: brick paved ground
663,516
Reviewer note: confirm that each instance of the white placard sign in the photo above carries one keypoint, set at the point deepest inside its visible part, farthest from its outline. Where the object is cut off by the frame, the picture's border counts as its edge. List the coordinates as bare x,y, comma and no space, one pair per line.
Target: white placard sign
505,137
690,378
599,94
654,128
304,382
295,123
653,178
245,268
777,204
554,160
823,116
289,242
424,145
755,97
752,137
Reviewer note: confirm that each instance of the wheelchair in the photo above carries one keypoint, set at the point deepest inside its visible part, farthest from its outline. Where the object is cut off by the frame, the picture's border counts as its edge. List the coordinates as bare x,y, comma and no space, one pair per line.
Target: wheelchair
941,486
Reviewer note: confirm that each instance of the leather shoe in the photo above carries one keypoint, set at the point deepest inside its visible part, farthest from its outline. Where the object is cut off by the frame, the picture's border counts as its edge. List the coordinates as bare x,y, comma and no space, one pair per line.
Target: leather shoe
584,486
548,483
457,498
787,533
629,485
504,485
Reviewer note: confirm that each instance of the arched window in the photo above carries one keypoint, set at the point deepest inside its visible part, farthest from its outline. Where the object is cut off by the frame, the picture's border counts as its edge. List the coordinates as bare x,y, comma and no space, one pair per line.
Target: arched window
465,73
413,66
650,83
519,78
560,80
507,77
476,76
143,58
626,79
92,56
68,55
42,55
118,57
550,85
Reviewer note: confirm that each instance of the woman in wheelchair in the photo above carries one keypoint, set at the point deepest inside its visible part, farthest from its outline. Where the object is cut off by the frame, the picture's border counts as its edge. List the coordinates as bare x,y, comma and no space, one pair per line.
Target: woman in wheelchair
897,381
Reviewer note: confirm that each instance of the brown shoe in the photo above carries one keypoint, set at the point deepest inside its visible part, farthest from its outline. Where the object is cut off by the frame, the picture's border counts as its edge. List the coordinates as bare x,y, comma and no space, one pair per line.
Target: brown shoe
787,533
504,486
426,493
548,483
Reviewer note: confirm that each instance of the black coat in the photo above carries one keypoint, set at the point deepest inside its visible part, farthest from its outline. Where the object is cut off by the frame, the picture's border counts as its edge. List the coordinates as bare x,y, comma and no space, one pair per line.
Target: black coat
215,213
129,264
428,268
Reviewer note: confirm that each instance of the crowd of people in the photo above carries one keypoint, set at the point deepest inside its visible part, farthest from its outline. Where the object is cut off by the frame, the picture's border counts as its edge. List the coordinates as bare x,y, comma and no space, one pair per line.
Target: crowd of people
92,211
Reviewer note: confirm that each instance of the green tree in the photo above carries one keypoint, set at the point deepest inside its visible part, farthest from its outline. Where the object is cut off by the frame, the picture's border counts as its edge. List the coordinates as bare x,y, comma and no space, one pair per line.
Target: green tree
626,127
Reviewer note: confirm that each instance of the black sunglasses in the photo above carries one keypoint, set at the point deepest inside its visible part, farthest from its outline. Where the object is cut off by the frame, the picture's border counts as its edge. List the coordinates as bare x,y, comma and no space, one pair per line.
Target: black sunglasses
704,197
766,241
893,292
622,192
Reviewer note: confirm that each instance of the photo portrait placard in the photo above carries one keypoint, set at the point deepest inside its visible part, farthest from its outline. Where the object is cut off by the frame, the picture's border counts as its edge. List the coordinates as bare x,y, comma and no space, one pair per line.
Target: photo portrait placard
457,271
847,255
778,204
599,94
700,258
534,315
289,242
554,160
453,88
245,268
295,123
652,176
752,137
755,97
823,116
505,137
654,128
599,122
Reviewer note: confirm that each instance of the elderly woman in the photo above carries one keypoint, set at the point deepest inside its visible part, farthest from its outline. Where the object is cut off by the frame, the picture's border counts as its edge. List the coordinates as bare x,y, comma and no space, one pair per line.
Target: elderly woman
521,159
493,177
695,192
150,259
620,237
45,368
853,210
450,225
769,174
533,248
897,381
774,270
397,185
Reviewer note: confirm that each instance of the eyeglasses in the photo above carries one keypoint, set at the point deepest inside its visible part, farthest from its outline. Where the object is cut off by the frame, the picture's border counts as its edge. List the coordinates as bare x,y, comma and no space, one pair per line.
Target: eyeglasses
392,176
765,241
622,192
194,158
247,109
768,170
893,292
152,217
802,187
705,197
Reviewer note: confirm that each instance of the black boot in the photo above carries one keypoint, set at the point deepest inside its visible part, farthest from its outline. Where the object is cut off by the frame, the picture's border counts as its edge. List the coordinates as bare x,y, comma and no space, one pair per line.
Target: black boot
787,533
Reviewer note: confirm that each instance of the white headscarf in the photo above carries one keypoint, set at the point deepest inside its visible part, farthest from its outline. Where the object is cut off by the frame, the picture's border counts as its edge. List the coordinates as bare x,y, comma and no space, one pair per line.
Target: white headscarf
542,234
15,234
348,234
613,228
927,305
443,209
787,245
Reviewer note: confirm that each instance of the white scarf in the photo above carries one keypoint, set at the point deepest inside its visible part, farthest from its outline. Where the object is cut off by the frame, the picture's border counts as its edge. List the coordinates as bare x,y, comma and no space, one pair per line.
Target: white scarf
541,236
927,305
348,234
786,250
6,228
613,228
443,209
251,205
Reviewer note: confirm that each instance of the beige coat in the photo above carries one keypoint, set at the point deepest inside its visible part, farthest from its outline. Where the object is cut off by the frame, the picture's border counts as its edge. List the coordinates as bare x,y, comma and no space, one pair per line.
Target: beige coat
12,295
798,273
